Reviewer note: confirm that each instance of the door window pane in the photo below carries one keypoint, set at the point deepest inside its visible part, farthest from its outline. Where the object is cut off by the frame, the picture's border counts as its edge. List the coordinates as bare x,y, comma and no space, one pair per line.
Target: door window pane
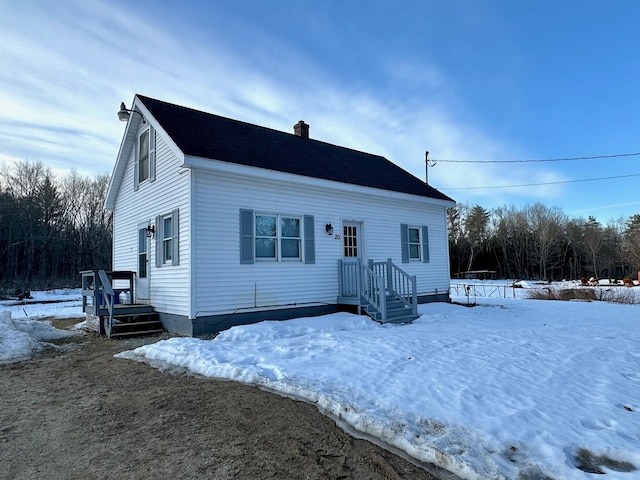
142,253
350,240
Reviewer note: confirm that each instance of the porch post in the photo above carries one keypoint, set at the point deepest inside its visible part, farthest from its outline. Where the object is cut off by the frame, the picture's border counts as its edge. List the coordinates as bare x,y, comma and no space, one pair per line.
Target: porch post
414,295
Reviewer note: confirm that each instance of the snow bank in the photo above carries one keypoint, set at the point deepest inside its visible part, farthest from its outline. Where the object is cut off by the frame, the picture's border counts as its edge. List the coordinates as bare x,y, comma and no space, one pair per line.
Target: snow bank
19,339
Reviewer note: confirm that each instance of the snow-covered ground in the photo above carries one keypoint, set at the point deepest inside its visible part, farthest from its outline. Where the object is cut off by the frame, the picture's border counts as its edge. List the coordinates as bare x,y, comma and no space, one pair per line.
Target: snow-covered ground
511,388
23,330
60,303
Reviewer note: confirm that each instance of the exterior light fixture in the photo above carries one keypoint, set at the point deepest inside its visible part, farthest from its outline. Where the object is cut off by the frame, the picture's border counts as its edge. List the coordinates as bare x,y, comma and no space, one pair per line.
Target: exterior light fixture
329,229
151,231
124,113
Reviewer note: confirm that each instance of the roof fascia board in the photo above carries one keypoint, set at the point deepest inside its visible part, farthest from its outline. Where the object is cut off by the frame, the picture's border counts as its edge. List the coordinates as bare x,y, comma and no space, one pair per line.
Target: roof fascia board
257,172
159,129
121,159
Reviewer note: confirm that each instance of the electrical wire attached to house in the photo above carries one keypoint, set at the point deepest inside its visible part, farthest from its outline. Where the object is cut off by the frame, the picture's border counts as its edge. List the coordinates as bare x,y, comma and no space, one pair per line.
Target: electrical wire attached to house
540,184
568,159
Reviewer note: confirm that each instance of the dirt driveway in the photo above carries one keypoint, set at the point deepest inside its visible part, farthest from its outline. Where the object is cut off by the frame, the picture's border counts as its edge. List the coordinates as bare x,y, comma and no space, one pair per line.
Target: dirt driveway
79,413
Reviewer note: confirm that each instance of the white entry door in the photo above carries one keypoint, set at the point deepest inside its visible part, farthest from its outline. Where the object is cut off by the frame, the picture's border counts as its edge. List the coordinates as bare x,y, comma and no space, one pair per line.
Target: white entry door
351,255
142,277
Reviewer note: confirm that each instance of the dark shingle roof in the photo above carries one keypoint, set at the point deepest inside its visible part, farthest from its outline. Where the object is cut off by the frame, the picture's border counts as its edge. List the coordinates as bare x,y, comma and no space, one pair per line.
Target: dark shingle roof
206,135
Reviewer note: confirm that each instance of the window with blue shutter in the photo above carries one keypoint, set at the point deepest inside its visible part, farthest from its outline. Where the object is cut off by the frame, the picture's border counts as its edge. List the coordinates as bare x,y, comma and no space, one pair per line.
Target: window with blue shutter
425,244
404,242
247,249
276,237
414,243
309,240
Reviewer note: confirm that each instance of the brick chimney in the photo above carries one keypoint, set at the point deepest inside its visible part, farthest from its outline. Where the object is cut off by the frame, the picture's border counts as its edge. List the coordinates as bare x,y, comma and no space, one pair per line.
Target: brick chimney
301,129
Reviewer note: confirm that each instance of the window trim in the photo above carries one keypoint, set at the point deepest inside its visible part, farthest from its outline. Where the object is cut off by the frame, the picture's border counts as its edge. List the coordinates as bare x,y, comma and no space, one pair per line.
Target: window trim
405,246
151,157
247,248
279,237
167,241
410,243
145,155
174,239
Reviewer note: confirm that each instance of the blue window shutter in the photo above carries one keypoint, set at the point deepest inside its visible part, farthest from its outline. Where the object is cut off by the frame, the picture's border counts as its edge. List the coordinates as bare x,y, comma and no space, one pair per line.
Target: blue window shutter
158,234
152,154
309,240
425,244
175,224
404,242
247,242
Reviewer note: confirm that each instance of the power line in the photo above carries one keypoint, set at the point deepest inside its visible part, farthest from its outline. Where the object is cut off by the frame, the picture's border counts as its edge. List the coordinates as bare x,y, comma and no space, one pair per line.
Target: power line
540,160
539,184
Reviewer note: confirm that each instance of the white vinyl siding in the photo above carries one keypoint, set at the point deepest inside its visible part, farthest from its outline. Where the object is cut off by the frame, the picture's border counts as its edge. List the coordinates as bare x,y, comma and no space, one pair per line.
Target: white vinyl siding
228,278
169,287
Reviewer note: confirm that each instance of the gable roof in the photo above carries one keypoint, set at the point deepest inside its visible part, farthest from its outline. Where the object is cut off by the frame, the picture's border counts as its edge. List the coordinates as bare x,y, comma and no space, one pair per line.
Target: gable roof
205,135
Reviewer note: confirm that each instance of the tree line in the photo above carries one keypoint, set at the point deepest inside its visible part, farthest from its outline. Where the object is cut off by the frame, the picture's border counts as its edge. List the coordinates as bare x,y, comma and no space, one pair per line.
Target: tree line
51,227
539,242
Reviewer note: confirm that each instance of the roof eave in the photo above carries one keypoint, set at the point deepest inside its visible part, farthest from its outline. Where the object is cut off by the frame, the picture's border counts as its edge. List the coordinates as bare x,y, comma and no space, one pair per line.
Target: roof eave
210,164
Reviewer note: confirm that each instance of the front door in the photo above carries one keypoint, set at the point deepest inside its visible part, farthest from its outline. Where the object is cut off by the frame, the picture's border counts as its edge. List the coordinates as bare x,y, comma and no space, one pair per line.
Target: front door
142,277
351,255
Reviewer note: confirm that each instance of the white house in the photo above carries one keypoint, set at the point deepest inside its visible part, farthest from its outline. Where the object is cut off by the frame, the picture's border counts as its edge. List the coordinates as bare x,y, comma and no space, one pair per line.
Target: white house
225,223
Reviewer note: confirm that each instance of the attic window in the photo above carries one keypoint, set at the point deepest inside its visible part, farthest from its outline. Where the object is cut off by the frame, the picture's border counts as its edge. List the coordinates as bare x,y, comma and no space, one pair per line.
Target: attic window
143,156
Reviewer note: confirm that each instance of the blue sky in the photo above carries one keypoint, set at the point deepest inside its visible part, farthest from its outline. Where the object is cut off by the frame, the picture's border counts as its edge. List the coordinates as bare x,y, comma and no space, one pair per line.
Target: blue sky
466,80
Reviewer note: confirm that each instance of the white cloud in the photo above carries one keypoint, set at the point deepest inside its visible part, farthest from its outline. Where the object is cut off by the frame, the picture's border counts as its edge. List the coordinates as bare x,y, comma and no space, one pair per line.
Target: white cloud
67,71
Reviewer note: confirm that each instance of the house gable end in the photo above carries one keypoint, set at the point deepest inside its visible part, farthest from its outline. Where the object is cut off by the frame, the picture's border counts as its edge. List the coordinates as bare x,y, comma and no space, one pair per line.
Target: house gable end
127,146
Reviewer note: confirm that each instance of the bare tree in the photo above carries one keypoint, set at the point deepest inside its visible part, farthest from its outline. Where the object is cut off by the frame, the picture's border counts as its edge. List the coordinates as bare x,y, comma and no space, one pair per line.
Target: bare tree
546,227
593,241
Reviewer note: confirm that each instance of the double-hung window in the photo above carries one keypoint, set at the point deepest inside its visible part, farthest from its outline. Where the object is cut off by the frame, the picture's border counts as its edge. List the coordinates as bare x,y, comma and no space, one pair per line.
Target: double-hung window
290,238
414,243
278,237
167,239
266,236
143,156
